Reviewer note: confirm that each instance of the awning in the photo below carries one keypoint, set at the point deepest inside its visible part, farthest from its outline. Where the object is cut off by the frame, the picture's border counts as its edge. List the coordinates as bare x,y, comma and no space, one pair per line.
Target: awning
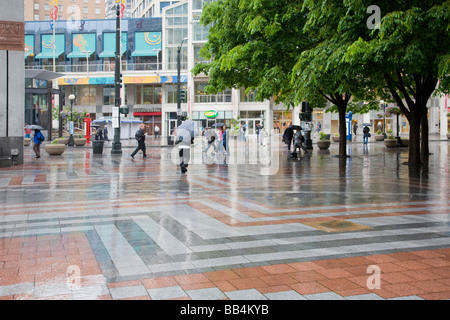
147,44
82,43
47,44
143,53
79,55
48,55
109,45
41,74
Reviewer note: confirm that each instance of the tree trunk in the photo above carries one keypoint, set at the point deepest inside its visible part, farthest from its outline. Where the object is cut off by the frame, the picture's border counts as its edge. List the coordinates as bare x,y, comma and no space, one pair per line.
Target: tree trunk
342,131
425,149
414,138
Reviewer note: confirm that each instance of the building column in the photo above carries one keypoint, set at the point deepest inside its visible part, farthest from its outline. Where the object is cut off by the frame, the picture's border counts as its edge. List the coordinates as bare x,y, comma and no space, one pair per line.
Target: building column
12,84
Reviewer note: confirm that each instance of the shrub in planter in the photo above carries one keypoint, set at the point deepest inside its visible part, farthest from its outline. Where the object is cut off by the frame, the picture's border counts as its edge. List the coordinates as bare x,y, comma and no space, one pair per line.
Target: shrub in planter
55,148
336,138
323,143
79,141
379,136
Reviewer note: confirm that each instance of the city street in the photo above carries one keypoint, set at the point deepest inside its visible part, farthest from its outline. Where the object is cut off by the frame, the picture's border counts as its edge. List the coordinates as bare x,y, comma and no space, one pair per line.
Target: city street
87,226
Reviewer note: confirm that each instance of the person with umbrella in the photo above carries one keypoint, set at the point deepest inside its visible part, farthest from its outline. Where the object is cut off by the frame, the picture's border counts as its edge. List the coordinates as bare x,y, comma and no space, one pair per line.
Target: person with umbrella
185,137
210,137
366,133
355,128
38,138
298,142
140,137
289,134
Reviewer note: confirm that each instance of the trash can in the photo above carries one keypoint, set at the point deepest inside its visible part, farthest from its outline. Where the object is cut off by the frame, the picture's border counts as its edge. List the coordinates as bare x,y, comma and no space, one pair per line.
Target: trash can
97,146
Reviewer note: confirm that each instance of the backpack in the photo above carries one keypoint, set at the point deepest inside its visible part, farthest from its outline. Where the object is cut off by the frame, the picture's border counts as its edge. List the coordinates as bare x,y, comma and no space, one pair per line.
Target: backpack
41,137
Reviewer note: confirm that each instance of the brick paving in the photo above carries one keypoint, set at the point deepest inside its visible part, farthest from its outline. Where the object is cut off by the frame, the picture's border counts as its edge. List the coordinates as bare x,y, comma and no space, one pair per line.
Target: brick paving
84,226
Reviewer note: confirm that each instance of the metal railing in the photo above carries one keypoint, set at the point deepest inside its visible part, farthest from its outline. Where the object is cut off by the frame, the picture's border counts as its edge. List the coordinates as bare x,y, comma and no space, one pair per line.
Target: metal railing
103,67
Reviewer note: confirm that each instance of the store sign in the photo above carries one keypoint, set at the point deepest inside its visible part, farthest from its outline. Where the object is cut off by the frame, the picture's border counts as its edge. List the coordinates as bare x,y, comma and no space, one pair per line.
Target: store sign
143,109
211,114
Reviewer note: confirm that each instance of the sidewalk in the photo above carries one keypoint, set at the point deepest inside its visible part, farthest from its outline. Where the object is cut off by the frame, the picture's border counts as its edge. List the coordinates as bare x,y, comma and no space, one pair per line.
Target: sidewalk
366,227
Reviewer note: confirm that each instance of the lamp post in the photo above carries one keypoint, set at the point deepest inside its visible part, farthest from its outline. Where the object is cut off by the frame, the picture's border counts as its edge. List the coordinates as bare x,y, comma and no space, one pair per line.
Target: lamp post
117,145
71,143
157,58
88,52
179,82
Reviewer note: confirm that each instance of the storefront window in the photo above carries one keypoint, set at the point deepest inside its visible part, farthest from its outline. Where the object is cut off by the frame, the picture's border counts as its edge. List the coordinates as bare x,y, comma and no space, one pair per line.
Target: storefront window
109,95
148,94
86,95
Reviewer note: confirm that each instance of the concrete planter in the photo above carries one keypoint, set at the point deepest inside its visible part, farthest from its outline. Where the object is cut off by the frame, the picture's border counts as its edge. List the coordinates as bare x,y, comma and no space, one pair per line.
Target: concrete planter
379,137
448,135
55,149
79,142
26,142
336,138
64,140
323,144
390,143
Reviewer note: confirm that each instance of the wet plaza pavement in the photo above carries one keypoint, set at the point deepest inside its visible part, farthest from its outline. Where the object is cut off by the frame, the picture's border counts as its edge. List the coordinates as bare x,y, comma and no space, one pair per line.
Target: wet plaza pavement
85,226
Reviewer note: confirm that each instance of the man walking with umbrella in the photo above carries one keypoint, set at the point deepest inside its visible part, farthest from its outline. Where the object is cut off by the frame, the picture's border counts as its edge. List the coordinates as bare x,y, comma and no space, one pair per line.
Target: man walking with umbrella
38,138
140,137
185,137
366,133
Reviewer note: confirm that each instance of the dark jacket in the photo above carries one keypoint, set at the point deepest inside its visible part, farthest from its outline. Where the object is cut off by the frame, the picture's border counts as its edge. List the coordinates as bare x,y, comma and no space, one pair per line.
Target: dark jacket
288,133
140,135
366,130
38,137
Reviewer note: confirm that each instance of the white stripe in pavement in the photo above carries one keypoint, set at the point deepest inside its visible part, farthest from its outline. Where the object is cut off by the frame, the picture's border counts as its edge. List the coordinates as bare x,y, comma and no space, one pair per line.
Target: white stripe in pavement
124,257
162,237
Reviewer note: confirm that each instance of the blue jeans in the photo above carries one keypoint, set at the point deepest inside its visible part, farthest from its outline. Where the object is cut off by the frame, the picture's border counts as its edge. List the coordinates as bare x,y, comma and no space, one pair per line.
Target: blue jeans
365,138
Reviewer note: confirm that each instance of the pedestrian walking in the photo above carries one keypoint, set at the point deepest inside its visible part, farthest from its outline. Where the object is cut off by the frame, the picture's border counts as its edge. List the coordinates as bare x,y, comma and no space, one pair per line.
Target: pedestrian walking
105,134
355,128
225,139
140,137
298,144
210,138
27,131
99,134
263,137
366,135
288,135
243,131
38,138
156,132
318,129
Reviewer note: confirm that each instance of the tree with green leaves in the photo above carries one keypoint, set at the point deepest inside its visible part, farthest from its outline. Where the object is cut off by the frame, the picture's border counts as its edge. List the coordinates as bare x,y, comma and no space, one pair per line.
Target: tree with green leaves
409,51
277,48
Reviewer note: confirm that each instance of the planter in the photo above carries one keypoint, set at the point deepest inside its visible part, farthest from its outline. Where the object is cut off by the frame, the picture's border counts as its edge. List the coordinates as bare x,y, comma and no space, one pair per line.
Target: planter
390,143
448,135
56,149
64,140
336,139
79,142
26,142
379,137
323,144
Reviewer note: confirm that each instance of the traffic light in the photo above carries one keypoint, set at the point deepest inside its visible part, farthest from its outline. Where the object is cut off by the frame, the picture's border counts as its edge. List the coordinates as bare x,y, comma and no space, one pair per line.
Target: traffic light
306,113
182,96
120,81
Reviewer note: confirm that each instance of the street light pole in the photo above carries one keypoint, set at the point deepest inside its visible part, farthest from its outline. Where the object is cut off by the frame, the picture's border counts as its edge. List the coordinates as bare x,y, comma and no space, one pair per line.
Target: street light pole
117,145
179,82
71,143
87,60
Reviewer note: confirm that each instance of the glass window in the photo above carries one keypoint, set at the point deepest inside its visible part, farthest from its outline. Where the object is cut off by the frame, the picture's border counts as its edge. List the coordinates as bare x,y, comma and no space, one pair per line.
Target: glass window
109,95
86,95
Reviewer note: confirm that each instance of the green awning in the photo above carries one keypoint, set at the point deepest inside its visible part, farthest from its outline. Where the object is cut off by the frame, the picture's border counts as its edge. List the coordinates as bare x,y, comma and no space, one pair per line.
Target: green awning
109,45
78,55
143,53
48,55
47,45
82,42
147,44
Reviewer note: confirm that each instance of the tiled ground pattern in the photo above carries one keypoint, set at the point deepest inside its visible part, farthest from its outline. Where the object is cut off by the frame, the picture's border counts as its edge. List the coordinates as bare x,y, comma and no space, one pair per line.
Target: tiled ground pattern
103,227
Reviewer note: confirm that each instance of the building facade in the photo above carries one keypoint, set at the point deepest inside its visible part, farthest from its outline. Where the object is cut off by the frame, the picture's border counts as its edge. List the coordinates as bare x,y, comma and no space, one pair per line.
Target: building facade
37,10
84,53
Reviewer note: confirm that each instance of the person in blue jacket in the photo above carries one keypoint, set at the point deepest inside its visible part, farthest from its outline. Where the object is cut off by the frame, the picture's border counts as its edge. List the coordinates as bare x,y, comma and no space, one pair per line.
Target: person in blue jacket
38,138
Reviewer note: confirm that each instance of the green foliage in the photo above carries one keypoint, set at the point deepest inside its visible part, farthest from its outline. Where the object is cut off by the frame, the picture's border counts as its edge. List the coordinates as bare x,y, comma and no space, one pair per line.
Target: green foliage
322,136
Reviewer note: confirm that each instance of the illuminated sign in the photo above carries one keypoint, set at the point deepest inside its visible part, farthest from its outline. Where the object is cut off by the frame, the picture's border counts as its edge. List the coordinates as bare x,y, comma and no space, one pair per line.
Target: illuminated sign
211,114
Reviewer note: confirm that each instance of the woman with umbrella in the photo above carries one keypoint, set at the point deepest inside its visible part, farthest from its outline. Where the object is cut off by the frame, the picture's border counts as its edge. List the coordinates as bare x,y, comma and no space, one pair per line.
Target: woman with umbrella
38,138
185,137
